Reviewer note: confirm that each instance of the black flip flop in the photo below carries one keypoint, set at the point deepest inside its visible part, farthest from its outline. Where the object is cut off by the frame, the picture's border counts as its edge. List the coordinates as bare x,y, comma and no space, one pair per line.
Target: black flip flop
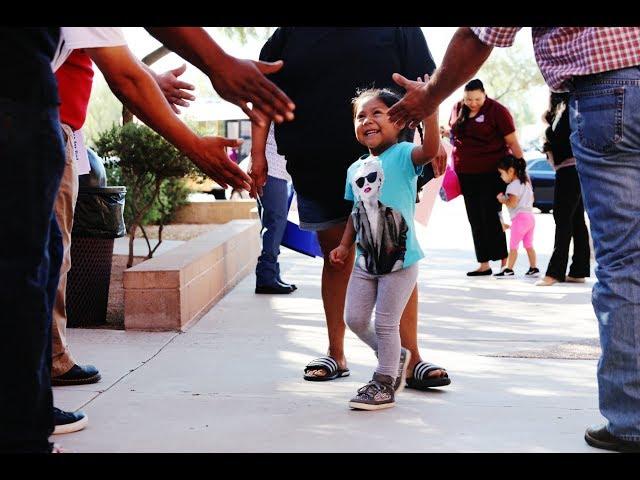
421,379
327,364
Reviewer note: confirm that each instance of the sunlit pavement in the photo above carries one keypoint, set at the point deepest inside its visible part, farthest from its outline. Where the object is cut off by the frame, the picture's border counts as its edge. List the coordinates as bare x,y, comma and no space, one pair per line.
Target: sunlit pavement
522,360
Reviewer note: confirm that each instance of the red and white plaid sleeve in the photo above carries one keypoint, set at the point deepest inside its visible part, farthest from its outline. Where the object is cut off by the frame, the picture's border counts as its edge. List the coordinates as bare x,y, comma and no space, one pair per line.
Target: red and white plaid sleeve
496,36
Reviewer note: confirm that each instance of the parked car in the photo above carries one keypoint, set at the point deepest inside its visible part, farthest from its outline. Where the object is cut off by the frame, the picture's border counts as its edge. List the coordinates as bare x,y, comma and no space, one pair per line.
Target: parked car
543,181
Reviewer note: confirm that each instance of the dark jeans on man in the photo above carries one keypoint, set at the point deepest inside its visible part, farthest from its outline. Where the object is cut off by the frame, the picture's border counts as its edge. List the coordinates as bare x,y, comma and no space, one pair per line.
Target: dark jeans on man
275,209
568,213
32,162
480,192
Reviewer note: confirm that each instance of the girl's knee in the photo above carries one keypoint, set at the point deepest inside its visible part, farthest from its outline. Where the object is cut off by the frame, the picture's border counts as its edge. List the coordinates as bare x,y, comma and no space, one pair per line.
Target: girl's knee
356,321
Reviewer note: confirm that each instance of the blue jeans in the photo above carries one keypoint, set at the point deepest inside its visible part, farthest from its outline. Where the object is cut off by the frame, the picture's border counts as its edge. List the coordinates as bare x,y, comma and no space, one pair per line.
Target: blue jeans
274,213
32,161
605,125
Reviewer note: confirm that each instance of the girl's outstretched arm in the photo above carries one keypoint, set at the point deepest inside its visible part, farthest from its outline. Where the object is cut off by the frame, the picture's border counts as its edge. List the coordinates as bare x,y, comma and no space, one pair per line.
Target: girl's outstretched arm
431,141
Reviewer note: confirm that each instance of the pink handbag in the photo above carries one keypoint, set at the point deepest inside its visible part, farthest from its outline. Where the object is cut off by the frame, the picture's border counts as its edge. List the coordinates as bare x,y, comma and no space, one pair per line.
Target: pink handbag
450,184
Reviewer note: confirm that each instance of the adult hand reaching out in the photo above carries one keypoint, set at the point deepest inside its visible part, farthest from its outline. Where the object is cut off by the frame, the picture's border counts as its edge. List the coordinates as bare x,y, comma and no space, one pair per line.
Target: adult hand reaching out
243,81
236,80
175,90
211,157
415,105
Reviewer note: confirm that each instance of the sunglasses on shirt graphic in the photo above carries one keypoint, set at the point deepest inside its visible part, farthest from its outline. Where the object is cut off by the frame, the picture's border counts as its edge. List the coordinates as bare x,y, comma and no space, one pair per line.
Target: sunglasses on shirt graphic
370,178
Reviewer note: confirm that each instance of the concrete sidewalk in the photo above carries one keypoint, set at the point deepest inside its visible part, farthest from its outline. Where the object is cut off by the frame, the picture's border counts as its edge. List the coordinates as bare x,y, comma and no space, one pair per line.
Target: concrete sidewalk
522,360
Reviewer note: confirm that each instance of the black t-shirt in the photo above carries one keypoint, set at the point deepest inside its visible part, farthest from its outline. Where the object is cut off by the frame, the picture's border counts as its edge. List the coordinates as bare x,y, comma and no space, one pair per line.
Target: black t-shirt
25,55
323,68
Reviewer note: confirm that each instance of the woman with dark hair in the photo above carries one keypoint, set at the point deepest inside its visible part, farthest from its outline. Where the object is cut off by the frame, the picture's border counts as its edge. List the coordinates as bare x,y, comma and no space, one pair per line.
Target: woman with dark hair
484,132
568,209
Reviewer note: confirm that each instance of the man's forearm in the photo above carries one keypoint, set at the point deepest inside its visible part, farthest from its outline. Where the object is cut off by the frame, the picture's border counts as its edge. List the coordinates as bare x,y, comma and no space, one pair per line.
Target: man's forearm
193,44
464,57
139,92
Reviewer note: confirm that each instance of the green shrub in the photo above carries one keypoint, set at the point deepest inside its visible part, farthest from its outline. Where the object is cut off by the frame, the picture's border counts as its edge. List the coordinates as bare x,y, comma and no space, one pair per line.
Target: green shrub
153,171
173,194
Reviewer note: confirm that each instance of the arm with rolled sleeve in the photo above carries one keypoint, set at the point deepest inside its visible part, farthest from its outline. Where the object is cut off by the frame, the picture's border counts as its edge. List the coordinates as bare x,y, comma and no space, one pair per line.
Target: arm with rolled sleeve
468,50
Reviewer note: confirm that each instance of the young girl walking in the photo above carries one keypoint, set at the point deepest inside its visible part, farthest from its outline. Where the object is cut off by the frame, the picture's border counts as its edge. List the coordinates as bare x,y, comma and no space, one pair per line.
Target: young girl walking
519,201
382,186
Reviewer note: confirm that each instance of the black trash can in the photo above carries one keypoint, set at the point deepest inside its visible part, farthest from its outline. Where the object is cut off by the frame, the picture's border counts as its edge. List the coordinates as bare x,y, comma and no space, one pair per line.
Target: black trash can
97,221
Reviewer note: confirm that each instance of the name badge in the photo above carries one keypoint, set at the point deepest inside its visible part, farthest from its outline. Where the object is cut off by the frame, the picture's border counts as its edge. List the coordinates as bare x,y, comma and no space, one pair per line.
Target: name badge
480,119
80,152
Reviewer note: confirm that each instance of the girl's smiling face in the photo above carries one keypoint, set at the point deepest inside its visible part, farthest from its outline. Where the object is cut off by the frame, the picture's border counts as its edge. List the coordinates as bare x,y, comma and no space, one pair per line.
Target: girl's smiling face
372,125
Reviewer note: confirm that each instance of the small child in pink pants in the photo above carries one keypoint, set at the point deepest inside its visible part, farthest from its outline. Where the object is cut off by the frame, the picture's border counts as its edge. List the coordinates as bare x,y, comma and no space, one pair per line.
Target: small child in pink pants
519,201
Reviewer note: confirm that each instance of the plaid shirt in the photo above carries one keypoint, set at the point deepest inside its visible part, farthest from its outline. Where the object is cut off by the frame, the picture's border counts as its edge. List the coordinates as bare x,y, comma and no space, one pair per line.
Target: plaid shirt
562,52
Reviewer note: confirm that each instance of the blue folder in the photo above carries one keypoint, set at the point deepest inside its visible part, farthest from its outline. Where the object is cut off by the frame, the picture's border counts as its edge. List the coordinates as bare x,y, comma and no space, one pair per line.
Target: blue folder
300,240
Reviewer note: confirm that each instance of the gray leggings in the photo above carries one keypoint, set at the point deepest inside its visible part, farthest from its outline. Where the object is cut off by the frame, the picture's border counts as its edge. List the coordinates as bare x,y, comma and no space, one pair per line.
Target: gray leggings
389,293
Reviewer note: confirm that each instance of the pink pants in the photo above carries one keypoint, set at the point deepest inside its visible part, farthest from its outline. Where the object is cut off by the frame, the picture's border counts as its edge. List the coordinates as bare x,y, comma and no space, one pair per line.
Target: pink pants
522,227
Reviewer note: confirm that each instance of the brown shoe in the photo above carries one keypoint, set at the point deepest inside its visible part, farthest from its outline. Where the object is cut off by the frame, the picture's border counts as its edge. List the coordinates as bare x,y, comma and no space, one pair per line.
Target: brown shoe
599,437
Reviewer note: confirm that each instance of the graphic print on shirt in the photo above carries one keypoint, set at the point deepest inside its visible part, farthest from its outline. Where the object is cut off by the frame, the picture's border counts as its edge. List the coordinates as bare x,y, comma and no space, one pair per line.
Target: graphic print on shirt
381,230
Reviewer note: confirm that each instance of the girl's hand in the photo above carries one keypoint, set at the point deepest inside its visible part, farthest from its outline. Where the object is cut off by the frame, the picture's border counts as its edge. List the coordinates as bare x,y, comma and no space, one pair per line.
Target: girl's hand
338,255
175,90
501,198
439,162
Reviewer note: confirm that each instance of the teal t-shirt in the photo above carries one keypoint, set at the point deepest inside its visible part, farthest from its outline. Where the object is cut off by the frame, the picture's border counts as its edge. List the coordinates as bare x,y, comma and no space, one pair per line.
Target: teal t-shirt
383,192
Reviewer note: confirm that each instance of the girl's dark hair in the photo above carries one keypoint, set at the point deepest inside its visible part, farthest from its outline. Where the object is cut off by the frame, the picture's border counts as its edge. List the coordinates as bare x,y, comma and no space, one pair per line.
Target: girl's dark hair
556,100
389,98
475,84
518,164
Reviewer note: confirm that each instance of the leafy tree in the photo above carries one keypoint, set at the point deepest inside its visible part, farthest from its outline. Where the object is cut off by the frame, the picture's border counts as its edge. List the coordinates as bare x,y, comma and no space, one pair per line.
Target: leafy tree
152,170
508,75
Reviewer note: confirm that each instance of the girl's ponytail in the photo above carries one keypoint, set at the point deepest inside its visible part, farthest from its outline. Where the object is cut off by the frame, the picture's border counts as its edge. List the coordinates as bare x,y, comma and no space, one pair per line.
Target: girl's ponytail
521,170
